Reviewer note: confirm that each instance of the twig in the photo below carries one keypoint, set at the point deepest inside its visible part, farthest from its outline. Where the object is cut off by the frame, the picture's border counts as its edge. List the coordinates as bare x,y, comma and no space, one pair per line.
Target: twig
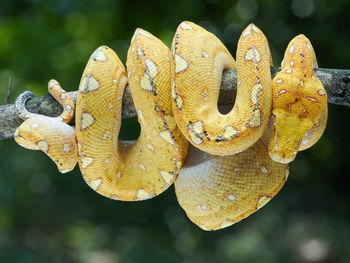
335,81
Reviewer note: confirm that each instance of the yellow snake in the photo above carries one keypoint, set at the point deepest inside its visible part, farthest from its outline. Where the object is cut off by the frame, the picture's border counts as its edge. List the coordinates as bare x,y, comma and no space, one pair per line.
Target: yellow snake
299,114
228,173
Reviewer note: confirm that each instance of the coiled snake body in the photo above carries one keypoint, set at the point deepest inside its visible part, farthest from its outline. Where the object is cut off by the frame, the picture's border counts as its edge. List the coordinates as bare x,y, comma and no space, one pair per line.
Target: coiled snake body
228,173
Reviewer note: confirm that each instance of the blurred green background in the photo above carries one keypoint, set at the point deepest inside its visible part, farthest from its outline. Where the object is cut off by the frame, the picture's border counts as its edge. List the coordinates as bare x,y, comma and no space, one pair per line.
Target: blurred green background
49,217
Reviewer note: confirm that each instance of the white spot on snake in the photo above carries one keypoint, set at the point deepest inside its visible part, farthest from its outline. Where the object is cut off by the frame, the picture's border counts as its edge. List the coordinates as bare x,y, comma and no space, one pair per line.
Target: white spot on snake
291,50
173,92
282,91
166,135
291,63
301,83
43,145
307,44
249,30
118,175
86,161
110,105
185,26
304,141
63,96
98,55
194,137
203,207
79,148
178,164
140,51
69,107
214,43
311,99
88,84
146,83
288,71
95,184
142,194
255,93
205,55
140,115
263,201
313,77
255,29
178,102
198,127
142,167
34,125
151,68
106,160
115,81
53,83
286,174
205,95
180,64
150,146
195,132
255,120
321,92
231,197
252,55
279,81
66,147
106,135
263,170
86,120
167,177
230,132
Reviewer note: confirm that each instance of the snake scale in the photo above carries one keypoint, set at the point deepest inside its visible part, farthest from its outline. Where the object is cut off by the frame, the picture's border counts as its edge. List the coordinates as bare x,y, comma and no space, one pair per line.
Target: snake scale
224,166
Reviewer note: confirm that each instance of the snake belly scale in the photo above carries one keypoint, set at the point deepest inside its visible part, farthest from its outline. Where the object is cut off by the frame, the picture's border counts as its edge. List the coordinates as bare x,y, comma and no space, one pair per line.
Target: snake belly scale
236,162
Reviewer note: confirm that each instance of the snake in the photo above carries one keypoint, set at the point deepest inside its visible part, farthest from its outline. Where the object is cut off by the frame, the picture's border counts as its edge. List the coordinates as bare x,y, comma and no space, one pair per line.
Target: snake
224,166
120,170
299,114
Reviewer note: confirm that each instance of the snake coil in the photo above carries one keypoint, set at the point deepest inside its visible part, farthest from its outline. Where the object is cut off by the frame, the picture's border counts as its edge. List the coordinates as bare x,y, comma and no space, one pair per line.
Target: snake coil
236,162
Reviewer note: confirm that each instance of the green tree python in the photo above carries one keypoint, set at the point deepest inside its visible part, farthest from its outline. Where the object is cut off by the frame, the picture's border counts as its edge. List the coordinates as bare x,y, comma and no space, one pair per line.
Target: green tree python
224,166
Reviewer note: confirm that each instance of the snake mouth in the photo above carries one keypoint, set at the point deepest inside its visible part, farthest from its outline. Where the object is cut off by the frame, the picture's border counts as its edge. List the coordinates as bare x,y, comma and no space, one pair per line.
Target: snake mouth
18,136
282,157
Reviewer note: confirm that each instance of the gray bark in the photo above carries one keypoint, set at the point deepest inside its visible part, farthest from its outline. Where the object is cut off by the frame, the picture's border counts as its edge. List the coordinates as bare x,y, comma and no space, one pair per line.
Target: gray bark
335,81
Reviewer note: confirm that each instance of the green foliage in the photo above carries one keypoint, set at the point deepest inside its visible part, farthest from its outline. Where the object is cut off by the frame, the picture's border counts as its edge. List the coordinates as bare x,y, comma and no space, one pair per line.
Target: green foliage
49,217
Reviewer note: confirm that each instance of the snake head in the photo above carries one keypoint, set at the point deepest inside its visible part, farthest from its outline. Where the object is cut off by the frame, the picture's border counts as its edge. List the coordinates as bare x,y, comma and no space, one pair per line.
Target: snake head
51,136
298,103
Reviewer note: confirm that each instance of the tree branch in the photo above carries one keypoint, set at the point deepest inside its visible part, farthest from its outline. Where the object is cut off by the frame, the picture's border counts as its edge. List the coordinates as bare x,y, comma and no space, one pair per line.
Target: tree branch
335,81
